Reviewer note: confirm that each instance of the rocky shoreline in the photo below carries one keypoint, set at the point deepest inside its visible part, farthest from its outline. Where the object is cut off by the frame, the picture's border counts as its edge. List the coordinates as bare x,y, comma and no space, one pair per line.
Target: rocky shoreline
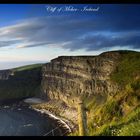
63,124
61,119
61,127
65,115
20,120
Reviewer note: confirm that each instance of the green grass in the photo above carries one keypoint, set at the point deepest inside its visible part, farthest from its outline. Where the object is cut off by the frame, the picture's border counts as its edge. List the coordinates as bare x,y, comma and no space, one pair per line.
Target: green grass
133,116
112,121
132,129
128,68
128,125
27,67
119,115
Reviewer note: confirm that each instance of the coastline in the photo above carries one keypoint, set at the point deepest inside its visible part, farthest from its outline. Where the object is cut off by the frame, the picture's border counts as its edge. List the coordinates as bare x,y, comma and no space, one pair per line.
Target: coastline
20,120
68,128
61,124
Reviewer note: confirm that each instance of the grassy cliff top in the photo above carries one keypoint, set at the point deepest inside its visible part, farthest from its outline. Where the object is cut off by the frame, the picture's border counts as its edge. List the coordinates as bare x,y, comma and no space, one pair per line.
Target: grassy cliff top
27,67
128,68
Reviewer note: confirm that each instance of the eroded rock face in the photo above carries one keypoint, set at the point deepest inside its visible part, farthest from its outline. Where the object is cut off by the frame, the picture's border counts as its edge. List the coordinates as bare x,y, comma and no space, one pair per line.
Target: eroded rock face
4,74
68,77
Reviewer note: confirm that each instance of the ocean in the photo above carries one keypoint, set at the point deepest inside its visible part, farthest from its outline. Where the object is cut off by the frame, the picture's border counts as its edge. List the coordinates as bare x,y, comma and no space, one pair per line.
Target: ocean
17,120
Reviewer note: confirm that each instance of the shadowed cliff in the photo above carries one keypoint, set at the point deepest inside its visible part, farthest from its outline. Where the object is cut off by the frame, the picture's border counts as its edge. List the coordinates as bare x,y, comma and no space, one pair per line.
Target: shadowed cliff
20,82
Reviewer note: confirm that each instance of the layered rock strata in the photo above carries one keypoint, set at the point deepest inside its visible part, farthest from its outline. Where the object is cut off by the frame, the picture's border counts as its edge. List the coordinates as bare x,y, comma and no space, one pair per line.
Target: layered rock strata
68,77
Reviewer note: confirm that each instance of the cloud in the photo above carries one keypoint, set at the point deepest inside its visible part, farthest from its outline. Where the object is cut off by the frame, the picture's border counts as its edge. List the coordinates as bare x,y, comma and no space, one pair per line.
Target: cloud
110,27
8,43
101,41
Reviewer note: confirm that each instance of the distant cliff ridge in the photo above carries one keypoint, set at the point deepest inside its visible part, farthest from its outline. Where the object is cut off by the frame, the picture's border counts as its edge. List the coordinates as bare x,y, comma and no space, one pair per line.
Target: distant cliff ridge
20,82
4,74
67,77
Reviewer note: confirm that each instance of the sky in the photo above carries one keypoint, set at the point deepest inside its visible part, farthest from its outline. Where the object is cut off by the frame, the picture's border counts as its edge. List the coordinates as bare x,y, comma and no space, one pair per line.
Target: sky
37,33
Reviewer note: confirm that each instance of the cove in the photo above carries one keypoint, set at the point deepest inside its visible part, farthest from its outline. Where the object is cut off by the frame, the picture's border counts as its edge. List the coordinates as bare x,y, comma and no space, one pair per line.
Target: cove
19,120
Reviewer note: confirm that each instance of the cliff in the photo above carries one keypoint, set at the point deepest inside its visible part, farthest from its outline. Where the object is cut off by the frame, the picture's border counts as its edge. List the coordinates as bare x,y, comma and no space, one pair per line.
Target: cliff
68,77
20,82
4,74
109,85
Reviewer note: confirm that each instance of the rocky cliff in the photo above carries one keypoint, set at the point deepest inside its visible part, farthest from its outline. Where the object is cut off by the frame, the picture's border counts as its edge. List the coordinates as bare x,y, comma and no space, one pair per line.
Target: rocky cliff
68,77
4,74
109,84
20,82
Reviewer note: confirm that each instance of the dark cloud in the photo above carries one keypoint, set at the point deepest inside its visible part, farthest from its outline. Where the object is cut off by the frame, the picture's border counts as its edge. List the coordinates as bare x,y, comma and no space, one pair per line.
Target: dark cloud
98,42
113,25
8,43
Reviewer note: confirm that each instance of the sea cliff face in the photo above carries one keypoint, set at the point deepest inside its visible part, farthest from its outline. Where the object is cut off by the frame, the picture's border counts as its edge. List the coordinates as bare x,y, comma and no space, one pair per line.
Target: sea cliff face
68,77
20,82
4,74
